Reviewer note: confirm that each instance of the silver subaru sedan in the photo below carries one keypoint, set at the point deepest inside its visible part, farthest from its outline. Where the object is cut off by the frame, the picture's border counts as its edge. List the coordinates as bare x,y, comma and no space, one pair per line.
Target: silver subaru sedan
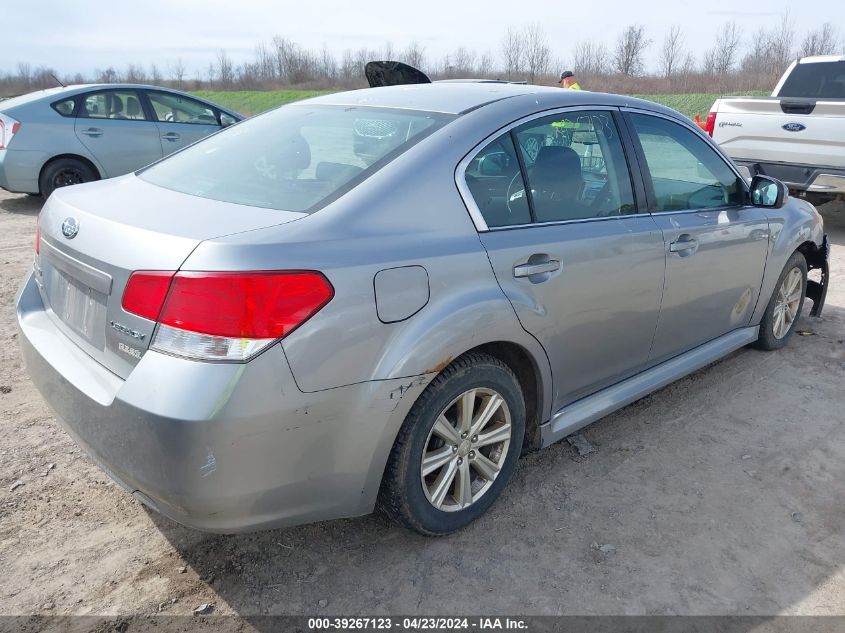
385,297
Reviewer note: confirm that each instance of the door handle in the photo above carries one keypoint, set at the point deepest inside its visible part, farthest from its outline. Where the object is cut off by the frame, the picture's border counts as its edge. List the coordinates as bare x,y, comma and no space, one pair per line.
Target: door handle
526,270
92,131
683,244
171,136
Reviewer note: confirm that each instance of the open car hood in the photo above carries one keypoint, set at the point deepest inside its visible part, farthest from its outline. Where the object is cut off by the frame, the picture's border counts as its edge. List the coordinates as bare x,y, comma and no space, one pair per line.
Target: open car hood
393,74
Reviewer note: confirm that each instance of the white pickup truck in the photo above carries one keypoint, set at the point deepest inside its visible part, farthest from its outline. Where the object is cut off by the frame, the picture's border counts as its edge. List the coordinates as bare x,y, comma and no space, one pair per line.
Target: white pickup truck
797,135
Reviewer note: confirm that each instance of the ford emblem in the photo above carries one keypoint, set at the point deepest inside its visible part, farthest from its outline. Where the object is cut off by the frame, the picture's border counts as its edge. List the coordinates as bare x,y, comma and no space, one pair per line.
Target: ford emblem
70,227
794,127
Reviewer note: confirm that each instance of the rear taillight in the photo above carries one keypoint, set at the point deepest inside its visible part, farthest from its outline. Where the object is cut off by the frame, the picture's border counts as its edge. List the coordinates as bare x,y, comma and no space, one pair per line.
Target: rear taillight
710,124
8,128
223,315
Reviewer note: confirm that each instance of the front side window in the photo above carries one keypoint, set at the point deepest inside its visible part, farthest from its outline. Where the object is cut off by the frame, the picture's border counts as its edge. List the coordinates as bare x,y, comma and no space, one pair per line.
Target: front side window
575,167
295,158
174,108
112,104
686,173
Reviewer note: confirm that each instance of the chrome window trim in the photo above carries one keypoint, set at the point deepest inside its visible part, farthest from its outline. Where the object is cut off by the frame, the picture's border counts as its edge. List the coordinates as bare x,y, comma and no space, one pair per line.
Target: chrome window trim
466,195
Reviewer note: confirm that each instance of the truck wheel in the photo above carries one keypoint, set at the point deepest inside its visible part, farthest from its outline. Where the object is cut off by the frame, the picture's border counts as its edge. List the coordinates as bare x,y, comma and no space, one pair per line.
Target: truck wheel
457,448
63,172
784,309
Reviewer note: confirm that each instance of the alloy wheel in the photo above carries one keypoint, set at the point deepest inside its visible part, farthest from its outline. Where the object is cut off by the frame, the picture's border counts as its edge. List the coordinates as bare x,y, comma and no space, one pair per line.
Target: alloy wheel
466,449
787,302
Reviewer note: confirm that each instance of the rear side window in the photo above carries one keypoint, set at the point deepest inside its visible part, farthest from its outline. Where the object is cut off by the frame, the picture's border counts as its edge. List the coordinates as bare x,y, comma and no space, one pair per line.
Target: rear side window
112,104
686,173
295,158
570,166
817,80
65,107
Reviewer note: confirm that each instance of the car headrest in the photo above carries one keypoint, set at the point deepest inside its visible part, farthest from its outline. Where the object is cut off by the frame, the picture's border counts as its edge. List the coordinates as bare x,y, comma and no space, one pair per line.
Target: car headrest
133,107
295,152
557,163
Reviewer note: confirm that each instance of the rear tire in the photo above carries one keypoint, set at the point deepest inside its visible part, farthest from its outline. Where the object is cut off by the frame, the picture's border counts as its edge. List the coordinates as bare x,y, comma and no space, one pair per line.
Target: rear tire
469,458
64,172
784,309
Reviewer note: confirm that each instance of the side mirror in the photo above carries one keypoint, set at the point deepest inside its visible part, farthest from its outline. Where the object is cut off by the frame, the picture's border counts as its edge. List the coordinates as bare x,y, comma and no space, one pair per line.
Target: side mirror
767,192
226,120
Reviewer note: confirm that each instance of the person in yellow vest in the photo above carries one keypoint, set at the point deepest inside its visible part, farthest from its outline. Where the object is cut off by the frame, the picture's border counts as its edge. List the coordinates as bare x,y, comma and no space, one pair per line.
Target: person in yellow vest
567,80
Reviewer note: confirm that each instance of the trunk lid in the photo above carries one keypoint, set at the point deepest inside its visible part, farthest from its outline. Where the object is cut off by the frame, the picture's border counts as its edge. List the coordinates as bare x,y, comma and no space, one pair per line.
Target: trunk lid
123,225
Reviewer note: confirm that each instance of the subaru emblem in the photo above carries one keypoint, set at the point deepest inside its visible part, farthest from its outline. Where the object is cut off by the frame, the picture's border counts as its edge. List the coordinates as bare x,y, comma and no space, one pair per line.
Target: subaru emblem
70,227
794,127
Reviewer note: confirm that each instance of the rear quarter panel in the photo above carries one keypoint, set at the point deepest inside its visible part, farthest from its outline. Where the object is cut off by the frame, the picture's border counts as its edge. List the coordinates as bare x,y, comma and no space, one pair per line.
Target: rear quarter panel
44,134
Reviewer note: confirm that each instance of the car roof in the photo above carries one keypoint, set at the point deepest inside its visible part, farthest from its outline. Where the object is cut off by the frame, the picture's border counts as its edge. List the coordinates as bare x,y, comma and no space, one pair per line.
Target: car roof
819,59
463,97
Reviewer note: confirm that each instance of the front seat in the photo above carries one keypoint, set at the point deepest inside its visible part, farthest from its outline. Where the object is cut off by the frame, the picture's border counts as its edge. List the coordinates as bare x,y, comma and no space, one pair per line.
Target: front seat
117,108
133,108
556,184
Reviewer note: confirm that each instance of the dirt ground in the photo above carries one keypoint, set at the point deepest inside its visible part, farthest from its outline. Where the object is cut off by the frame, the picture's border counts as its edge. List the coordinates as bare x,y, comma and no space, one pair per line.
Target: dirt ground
721,494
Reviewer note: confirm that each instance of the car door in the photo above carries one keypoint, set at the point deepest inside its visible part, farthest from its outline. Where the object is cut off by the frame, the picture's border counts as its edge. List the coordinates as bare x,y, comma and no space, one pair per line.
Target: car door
115,128
181,120
582,269
716,244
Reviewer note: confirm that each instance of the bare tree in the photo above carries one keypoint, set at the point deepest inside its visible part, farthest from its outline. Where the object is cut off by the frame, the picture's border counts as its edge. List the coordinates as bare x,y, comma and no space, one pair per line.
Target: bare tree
590,59
672,51
107,76
155,75
513,52
389,52
225,70
723,56
462,62
177,72
348,68
485,64
25,73
822,41
630,49
537,52
783,40
414,54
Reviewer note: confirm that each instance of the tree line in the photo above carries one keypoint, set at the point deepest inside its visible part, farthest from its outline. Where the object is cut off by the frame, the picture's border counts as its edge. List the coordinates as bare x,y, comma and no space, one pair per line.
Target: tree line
736,60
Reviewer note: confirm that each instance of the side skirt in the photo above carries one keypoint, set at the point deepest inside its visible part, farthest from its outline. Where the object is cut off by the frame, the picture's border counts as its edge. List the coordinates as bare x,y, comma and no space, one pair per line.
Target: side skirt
589,409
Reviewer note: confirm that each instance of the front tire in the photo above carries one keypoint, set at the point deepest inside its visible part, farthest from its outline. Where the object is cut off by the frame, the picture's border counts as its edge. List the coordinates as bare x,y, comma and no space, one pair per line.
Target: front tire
457,448
64,172
781,316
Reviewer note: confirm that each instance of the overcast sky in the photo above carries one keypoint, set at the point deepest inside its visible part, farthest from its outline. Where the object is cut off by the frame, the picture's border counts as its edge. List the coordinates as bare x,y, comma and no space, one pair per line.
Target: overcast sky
83,35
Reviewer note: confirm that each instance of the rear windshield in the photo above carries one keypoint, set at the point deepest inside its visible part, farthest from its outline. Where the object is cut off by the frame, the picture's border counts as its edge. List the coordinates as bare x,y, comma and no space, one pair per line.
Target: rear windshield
817,80
296,158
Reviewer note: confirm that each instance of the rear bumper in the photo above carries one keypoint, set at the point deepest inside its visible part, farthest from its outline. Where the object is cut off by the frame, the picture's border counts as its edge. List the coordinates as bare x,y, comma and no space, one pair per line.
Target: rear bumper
219,447
809,178
19,170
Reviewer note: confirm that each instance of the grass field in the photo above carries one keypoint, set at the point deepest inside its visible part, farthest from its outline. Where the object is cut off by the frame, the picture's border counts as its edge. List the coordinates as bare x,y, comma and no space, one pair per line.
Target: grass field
251,102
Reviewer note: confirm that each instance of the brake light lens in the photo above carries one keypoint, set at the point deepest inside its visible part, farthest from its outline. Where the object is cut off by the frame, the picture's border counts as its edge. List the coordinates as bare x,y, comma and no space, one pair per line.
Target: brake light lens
710,124
8,128
224,315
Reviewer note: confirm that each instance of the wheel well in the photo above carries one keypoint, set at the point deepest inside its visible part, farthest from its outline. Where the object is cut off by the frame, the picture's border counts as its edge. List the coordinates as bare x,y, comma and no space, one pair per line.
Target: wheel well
522,364
810,252
74,157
